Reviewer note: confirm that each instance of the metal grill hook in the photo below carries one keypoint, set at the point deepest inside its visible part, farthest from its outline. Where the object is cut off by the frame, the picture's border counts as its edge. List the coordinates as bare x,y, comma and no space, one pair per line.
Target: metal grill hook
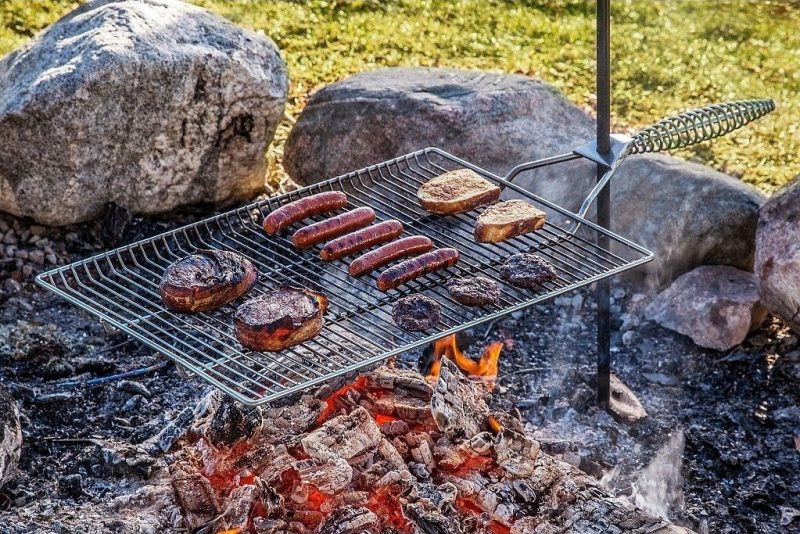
698,125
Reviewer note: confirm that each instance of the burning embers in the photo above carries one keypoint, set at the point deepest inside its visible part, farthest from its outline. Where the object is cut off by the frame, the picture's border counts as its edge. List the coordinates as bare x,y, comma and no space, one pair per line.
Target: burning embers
392,452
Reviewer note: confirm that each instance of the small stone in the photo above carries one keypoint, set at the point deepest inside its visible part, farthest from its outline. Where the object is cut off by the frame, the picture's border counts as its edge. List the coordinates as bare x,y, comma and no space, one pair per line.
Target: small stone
4,226
22,254
577,301
37,230
637,298
517,315
34,239
618,294
36,256
628,337
629,321
52,259
27,270
12,286
615,309
134,388
11,251
10,238
42,243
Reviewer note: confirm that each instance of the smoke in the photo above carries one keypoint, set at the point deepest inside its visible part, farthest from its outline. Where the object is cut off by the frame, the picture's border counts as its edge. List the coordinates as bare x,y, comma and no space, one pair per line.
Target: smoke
659,487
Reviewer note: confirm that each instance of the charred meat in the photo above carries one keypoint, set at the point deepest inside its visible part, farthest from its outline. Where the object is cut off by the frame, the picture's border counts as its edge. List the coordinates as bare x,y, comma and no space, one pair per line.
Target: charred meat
280,319
473,290
527,270
416,313
206,280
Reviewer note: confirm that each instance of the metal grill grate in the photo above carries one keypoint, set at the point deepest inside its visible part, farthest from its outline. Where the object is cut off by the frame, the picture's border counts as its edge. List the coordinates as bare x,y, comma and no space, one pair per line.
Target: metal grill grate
121,286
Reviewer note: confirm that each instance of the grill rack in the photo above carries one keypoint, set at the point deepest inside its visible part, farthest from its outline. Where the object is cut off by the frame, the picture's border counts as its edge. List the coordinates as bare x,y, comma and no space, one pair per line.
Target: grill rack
121,286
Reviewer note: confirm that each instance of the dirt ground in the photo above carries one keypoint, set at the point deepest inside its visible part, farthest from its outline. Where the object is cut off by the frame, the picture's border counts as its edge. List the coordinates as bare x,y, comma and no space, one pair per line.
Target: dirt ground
718,453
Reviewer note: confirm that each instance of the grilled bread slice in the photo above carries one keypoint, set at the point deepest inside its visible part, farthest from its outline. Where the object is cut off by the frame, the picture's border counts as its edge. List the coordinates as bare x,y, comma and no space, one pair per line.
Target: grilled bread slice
456,192
505,220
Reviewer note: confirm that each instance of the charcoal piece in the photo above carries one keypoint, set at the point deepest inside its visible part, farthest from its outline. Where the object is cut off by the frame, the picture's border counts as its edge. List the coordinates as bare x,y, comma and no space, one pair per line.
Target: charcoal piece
416,313
527,270
173,431
401,381
430,520
394,428
347,498
458,405
329,477
295,418
239,505
405,408
231,423
195,496
344,436
348,520
473,290
442,496
481,443
516,453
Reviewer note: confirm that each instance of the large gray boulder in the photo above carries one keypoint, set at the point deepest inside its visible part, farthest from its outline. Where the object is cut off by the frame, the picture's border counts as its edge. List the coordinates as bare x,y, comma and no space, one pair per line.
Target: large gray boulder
714,305
778,254
10,437
151,104
689,215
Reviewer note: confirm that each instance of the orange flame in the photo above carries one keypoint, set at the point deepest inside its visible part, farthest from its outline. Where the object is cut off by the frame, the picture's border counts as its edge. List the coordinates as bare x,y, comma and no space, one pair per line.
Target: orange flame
230,531
485,368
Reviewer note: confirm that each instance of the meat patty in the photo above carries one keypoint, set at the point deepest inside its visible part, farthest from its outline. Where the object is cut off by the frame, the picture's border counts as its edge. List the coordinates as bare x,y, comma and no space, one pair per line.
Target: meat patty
280,319
416,313
527,270
473,290
206,280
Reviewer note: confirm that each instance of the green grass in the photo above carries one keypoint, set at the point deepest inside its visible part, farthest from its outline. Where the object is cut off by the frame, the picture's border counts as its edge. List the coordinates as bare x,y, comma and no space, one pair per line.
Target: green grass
667,56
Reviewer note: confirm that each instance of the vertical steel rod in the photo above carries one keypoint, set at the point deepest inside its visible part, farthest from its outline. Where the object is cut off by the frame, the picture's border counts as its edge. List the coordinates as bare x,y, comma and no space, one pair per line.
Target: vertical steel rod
604,198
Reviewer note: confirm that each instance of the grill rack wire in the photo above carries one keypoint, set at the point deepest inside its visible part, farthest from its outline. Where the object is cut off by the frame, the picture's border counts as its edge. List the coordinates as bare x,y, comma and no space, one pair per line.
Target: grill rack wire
120,287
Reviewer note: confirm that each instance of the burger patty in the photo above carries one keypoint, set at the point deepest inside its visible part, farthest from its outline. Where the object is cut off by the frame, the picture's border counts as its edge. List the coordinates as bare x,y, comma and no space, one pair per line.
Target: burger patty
416,313
473,290
527,270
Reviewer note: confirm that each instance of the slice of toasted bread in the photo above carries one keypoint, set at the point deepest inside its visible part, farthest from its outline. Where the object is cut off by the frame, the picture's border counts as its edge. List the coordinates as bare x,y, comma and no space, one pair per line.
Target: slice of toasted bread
505,220
456,192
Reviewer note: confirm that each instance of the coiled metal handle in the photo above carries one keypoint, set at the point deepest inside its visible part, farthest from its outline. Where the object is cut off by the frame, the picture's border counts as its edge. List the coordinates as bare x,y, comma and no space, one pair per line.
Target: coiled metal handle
699,125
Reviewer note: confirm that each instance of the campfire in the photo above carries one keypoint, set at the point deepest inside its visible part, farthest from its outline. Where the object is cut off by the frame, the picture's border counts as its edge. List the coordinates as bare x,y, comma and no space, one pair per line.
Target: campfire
393,451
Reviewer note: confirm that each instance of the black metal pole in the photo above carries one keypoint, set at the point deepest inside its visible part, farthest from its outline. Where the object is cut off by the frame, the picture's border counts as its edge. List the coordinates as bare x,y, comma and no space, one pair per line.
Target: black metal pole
604,198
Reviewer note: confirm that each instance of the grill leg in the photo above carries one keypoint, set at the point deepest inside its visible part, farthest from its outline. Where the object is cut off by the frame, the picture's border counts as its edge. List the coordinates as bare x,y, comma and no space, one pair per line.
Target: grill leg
604,198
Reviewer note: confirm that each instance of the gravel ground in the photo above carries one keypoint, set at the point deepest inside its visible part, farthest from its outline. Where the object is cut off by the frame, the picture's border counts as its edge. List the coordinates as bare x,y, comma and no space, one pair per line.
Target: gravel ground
719,452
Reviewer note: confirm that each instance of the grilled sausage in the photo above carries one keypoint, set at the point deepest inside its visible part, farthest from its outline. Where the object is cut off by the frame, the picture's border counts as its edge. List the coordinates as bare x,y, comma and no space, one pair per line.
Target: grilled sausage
360,240
408,246
302,209
310,235
399,274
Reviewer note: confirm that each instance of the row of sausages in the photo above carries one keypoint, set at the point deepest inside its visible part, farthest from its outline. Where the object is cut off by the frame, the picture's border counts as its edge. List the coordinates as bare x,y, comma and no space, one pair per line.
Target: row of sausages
353,232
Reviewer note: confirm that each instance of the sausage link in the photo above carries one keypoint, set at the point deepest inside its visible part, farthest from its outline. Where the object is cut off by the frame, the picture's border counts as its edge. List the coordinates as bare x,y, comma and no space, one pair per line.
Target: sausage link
302,209
310,235
408,246
404,272
360,240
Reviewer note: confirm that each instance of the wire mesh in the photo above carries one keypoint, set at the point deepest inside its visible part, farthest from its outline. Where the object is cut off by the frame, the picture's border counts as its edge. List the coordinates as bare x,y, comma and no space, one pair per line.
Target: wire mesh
121,286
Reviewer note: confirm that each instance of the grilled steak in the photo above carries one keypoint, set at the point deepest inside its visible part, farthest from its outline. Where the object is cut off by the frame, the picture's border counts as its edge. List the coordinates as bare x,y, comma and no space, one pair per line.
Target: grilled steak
280,319
408,246
456,192
322,231
527,270
303,208
505,220
473,290
206,280
416,313
413,268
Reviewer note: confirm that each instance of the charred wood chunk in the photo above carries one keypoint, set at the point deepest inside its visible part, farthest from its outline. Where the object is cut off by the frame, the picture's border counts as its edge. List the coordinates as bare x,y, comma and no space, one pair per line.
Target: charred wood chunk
345,436
442,496
280,463
405,408
516,453
401,381
348,498
348,520
430,519
10,437
458,405
195,496
231,422
239,505
296,418
329,477
394,428
496,499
